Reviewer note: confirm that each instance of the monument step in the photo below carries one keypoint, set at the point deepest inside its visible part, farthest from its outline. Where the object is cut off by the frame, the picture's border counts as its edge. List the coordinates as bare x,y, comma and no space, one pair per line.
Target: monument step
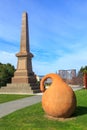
36,91
18,85
27,86
19,88
13,90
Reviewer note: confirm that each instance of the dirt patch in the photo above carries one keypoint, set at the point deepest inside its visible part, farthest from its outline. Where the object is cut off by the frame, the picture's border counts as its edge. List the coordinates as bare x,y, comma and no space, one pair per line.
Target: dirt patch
59,119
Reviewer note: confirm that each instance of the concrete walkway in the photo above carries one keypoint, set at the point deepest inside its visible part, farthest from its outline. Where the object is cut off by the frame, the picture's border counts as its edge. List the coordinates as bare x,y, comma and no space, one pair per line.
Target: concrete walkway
76,87
9,107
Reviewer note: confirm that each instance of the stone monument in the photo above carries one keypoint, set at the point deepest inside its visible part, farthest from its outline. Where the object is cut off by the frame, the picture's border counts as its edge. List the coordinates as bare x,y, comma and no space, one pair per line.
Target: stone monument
24,80
24,73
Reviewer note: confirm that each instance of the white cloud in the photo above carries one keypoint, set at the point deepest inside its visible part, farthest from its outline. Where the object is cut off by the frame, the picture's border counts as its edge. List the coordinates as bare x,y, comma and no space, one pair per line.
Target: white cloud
6,57
72,61
42,68
67,61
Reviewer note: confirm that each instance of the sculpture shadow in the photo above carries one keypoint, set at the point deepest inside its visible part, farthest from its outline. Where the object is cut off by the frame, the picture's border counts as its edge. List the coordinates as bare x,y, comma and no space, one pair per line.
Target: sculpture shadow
80,110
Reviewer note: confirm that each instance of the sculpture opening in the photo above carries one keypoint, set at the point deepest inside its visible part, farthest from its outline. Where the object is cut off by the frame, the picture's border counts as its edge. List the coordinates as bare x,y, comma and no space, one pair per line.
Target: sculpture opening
47,83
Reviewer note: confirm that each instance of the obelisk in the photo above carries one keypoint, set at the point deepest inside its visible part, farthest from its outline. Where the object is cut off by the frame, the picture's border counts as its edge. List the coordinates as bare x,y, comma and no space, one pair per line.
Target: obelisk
24,80
24,72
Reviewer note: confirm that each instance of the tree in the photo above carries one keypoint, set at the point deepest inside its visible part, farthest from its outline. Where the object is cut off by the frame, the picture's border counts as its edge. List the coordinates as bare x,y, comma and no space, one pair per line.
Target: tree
82,70
6,73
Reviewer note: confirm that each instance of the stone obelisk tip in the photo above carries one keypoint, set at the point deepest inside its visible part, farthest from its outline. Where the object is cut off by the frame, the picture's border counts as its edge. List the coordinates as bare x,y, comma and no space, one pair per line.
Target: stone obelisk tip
24,13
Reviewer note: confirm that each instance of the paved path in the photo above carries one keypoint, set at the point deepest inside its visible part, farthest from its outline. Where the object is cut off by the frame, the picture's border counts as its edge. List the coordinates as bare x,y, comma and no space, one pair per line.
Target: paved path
76,87
9,107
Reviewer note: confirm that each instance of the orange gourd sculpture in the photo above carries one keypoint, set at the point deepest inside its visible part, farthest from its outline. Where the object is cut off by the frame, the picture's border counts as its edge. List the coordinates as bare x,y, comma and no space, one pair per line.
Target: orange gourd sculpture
59,99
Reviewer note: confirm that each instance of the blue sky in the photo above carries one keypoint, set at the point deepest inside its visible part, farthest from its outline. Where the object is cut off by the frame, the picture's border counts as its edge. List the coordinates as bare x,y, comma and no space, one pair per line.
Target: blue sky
57,31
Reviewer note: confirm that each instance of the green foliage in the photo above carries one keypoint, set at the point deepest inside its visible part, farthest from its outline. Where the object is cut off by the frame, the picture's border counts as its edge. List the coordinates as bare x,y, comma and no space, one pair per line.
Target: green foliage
34,118
6,72
83,69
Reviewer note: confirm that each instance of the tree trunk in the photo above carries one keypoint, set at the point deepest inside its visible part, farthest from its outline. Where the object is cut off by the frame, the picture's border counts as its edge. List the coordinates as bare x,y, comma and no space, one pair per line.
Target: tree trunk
85,80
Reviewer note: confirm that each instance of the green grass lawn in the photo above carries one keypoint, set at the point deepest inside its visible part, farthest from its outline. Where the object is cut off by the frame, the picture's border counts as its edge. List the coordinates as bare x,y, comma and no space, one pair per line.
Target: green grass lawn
32,118
10,97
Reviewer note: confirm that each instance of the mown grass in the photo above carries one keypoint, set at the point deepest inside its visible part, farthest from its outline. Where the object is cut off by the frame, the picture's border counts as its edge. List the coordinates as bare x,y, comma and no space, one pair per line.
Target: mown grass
11,97
33,118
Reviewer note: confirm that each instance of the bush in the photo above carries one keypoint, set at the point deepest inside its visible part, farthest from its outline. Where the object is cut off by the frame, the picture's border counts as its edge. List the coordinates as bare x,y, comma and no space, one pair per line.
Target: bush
6,73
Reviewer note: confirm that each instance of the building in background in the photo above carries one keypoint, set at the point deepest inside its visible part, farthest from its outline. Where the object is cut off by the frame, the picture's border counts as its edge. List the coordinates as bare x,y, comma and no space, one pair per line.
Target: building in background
68,75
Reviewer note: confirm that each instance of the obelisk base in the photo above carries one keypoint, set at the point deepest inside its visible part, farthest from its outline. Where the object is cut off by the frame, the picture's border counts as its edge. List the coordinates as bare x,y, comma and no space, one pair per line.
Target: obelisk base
22,88
19,80
22,76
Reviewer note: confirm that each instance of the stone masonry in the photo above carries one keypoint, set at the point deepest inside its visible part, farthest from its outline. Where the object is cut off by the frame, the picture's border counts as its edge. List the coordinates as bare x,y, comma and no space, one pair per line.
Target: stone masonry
24,79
